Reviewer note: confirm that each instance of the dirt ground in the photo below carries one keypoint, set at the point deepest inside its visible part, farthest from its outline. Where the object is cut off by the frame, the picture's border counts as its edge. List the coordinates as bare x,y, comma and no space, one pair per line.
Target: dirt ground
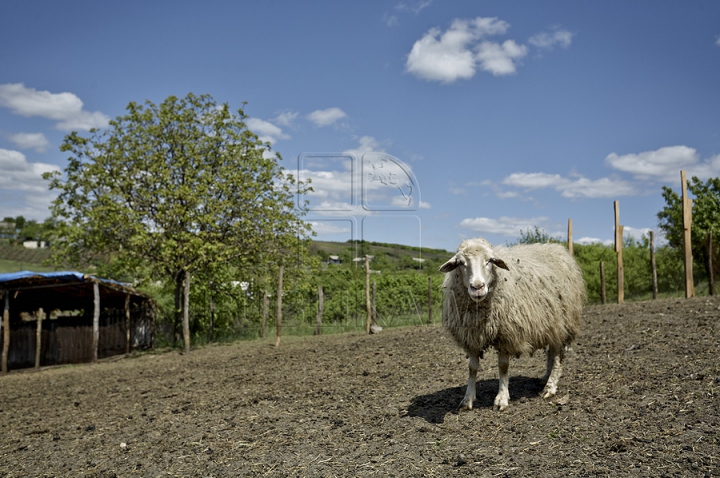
637,399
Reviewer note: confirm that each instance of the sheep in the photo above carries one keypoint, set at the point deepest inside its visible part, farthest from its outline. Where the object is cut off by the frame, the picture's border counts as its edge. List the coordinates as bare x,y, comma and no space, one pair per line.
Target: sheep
516,300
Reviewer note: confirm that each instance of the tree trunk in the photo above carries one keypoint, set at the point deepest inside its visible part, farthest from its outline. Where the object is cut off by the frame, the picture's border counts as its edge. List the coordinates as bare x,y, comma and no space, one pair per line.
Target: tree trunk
177,320
264,314
212,317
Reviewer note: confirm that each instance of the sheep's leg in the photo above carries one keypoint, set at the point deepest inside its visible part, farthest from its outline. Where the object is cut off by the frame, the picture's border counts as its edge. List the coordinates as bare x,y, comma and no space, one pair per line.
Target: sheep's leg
473,366
503,396
555,356
549,364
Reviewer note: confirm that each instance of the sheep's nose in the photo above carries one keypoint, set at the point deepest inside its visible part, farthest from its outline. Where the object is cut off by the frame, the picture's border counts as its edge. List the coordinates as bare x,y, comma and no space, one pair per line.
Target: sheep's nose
477,286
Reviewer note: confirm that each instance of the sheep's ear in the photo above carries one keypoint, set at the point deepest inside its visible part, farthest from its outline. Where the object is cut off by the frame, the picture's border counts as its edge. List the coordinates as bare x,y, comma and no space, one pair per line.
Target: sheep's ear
450,265
499,263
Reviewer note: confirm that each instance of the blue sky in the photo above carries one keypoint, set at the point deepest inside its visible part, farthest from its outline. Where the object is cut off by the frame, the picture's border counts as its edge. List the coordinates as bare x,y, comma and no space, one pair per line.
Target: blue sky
419,122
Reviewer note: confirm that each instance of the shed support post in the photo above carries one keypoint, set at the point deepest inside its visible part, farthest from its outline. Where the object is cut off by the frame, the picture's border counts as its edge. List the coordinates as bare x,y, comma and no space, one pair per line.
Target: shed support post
39,316
6,332
127,324
96,321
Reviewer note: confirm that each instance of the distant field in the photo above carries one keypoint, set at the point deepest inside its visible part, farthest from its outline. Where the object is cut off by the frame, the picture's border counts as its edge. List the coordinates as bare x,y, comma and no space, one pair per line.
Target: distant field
18,258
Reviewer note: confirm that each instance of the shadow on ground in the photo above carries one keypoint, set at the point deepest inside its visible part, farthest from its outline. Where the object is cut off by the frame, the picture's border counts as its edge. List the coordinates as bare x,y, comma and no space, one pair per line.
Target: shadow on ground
434,406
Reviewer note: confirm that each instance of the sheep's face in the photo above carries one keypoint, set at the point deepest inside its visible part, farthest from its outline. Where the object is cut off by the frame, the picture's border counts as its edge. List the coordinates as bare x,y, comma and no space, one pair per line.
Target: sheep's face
476,261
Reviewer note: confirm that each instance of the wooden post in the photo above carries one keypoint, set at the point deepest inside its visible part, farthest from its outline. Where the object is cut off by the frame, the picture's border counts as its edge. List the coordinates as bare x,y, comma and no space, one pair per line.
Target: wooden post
278,313
212,318
687,238
603,295
367,295
127,324
618,250
321,308
430,300
653,266
6,332
373,305
264,314
711,274
186,312
39,316
569,238
96,321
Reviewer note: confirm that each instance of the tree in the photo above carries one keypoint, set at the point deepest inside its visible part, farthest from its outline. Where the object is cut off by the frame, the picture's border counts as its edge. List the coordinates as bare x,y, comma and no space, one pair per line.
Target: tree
536,236
705,212
183,186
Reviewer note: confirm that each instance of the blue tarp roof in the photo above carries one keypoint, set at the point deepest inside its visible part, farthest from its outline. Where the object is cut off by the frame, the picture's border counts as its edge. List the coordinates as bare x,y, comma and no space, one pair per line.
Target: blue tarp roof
61,275
23,279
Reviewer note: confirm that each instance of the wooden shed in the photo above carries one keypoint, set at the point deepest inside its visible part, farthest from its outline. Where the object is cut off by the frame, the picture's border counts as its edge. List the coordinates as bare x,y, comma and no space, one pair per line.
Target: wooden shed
69,317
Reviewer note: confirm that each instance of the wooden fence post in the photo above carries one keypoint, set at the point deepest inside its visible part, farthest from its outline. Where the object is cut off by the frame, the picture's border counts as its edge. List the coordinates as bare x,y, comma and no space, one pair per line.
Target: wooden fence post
687,238
264,314
430,320
603,295
653,266
373,305
570,238
186,312
6,332
278,313
39,316
711,274
618,250
321,306
367,295
96,321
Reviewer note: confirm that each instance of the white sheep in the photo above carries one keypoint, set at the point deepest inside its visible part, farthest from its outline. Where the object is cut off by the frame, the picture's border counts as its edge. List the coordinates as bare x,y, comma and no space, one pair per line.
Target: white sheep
516,300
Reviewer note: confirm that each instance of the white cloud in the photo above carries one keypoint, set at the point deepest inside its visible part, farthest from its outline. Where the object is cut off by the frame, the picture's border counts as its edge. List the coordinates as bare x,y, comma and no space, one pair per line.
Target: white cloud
66,108
286,118
331,227
23,191
326,117
36,141
506,226
368,144
18,174
665,164
717,42
265,130
572,187
590,240
413,7
455,54
500,59
547,41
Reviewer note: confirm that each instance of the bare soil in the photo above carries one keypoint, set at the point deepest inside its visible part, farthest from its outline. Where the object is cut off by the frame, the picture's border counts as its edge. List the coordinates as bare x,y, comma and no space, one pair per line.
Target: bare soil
638,398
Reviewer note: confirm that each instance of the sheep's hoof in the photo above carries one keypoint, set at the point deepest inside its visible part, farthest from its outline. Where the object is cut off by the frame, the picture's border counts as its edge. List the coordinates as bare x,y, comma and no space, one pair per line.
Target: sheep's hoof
548,392
501,404
466,404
